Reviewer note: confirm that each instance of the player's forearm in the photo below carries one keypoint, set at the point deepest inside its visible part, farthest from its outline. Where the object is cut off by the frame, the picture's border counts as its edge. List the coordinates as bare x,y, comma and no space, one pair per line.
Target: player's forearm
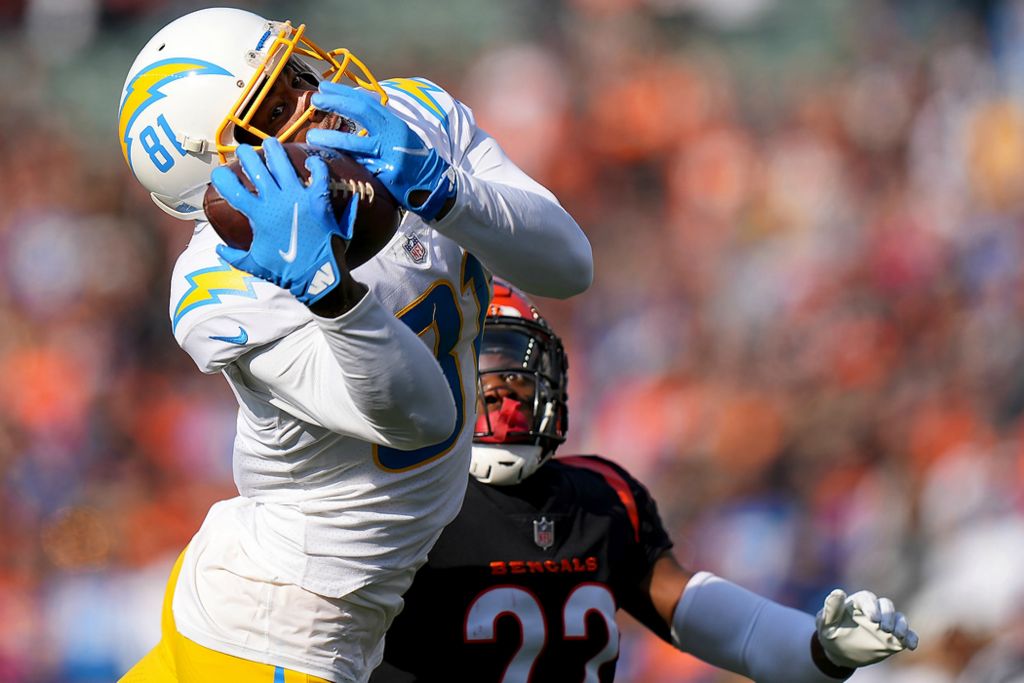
364,374
346,294
520,235
399,385
735,629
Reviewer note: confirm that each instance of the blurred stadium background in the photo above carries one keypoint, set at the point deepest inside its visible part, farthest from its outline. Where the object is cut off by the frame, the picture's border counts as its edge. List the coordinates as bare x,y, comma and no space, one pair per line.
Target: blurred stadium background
806,332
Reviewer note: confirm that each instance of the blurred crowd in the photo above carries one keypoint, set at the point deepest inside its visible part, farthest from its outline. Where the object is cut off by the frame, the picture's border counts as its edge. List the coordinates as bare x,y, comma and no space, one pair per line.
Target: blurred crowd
806,332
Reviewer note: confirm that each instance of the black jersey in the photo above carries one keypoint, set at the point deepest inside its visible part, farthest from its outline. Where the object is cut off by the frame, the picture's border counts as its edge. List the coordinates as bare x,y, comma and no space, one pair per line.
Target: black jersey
524,584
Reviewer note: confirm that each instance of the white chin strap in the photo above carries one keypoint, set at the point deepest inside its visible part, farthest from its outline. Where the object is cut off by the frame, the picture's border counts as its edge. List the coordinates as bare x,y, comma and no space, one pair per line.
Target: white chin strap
504,464
186,215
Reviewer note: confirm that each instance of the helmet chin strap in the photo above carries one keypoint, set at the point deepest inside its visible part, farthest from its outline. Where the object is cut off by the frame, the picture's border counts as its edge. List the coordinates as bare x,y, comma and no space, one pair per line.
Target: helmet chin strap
193,214
504,464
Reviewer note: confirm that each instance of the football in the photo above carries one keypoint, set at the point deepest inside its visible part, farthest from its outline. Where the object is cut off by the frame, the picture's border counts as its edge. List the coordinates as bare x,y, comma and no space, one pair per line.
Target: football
377,216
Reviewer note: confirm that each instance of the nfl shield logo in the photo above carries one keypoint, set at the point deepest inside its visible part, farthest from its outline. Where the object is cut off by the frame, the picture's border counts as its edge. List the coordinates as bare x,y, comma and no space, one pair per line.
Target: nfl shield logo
544,532
414,248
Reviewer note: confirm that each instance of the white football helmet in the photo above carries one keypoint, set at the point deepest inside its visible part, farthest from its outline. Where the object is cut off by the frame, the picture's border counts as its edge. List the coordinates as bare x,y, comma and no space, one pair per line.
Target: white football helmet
522,415
197,83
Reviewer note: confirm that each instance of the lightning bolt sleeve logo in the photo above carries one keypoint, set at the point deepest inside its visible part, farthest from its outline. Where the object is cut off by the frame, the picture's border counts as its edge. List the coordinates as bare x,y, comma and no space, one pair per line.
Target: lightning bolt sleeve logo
421,91
144,90
208,285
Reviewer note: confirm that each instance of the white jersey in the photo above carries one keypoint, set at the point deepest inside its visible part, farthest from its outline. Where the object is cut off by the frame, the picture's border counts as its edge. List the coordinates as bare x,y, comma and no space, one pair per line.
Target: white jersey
331,519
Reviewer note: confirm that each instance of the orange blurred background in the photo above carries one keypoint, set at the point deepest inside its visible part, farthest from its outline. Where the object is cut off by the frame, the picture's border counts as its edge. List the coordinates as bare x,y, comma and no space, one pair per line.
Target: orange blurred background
806,332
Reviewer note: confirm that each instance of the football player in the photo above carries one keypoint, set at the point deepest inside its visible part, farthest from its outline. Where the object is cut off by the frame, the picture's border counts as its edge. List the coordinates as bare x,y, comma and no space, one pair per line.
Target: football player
524,585
356,389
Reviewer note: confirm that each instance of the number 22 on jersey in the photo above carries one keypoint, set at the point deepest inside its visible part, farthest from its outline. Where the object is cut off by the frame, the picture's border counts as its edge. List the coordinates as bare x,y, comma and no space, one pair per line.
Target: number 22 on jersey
438,310
519,603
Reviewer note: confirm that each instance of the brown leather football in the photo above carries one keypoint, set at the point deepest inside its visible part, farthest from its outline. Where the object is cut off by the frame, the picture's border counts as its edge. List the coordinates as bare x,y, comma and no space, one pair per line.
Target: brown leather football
377,216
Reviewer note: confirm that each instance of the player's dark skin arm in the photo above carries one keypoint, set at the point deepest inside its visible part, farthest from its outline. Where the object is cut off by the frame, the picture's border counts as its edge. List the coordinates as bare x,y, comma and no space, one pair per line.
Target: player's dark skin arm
347,294
665,585
417,197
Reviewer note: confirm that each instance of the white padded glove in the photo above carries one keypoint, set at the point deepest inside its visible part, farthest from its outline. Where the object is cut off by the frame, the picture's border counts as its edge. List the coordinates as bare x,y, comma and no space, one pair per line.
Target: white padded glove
862,629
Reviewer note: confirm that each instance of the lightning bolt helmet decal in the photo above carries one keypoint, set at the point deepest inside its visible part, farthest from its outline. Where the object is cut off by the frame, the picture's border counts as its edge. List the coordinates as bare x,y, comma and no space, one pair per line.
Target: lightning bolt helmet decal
200,79
144,89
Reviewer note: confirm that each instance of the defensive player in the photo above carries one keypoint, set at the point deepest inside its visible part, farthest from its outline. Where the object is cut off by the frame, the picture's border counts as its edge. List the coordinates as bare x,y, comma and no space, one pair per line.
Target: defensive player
356,389
525,583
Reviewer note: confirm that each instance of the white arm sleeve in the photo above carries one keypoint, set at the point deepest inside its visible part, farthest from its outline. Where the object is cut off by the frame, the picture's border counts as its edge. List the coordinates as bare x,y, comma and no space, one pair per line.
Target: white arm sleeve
515,226
735,629
364,374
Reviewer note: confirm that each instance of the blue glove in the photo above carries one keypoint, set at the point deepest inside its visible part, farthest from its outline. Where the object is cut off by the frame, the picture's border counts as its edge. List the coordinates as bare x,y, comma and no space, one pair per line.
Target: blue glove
292,224
392,151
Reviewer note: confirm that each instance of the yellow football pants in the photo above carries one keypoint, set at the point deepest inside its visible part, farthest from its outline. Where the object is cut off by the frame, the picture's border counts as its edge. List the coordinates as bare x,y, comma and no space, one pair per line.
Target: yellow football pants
176,659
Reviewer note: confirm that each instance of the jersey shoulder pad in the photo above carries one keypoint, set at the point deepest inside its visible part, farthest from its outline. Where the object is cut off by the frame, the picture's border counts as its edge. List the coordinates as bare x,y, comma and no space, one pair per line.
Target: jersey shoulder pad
442,121
219,312
607,468
620,481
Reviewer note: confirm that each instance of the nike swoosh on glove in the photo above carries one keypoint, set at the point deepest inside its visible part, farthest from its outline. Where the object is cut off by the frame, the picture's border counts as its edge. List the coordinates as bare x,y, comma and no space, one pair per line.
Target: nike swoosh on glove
862,629
292,224
391,150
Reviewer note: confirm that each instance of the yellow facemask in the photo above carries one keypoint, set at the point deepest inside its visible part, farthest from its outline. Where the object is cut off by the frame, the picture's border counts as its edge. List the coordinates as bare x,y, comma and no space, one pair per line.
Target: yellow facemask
340,63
